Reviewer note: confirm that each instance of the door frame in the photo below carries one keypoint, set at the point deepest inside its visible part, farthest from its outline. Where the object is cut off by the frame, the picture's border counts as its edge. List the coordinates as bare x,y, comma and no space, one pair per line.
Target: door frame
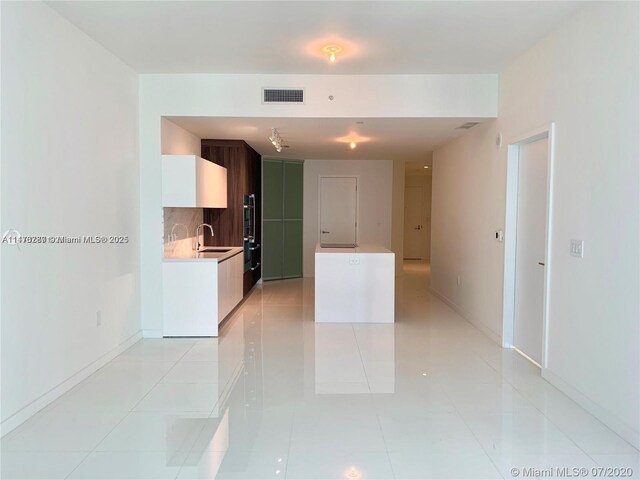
319,227
510,236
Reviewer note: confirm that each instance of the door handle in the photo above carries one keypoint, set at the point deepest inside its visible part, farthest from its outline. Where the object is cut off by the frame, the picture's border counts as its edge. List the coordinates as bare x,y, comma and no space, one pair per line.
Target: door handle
541,263
324,231
419,227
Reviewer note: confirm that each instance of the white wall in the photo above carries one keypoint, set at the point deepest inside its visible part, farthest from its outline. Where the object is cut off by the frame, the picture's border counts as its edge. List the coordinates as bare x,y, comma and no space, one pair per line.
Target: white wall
468,205
424,181
375,198
584,77
397,214
69,167
468,96
175,140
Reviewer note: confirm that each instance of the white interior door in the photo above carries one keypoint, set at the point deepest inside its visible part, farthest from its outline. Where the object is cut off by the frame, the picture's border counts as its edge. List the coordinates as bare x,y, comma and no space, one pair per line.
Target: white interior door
530,248
338,209
415,233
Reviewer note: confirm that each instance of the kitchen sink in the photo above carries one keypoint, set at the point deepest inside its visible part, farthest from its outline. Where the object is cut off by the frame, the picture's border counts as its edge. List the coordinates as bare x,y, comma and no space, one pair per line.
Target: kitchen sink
215,250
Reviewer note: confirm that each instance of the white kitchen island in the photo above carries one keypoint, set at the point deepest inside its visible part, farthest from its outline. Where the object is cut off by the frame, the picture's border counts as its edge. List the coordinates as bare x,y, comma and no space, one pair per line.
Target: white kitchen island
354,285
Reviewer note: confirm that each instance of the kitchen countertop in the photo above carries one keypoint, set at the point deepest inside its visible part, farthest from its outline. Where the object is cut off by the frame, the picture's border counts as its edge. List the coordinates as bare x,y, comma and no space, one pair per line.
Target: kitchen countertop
204,256
358,249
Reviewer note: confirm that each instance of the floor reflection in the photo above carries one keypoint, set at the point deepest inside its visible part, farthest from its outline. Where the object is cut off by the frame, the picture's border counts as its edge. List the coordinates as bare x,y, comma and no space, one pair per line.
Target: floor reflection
354,358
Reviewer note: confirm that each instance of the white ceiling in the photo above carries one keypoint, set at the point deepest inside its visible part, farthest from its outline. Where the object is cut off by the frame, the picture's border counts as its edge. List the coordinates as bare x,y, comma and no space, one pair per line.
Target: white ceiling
379,37
409,139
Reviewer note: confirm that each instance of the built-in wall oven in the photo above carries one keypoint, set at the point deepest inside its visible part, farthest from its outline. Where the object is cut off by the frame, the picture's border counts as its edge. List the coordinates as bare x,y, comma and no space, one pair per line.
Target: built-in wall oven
251,248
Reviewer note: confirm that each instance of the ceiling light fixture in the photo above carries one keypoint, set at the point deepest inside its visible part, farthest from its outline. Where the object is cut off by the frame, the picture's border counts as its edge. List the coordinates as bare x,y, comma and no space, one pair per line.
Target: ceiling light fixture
353,139
332,50
276,139
426,166
353,473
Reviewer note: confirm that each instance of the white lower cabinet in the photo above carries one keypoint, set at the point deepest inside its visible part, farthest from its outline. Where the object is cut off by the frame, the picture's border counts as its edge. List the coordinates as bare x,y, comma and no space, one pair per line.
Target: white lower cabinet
224,296
198,295
237,279
229,285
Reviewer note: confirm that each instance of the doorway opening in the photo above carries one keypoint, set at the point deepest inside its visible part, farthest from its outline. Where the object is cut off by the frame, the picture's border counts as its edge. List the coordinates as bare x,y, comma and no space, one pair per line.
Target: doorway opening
527,239
417,216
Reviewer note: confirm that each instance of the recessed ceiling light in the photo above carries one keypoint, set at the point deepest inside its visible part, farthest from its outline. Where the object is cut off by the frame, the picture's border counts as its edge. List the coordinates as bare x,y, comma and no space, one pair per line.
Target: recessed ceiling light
353,473
353,137
332,50
426,166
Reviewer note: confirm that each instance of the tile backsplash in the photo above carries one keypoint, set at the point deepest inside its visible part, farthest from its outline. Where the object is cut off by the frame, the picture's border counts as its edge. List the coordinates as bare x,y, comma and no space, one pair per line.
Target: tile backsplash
184,237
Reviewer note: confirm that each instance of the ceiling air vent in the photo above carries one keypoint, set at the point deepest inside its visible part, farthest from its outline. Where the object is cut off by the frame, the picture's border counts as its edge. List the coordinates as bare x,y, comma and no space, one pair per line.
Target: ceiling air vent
467,125
282,95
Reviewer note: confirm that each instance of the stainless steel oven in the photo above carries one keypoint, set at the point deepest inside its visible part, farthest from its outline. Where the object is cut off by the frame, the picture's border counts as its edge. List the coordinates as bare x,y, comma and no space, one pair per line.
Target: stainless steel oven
251,248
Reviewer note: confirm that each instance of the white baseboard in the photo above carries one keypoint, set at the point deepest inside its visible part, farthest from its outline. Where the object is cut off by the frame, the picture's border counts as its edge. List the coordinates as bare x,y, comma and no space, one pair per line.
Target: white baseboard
625,431
456,308
152,333
39,403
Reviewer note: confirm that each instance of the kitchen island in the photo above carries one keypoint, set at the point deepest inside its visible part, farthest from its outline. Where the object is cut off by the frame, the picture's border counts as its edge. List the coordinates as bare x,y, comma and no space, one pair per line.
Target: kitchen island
354,284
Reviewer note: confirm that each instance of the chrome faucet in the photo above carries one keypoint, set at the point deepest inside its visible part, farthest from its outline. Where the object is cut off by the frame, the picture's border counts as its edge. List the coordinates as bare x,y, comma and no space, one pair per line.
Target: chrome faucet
197,248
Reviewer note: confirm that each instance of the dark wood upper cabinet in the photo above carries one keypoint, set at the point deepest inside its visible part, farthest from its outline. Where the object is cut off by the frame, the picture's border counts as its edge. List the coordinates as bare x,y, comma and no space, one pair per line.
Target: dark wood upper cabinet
244,177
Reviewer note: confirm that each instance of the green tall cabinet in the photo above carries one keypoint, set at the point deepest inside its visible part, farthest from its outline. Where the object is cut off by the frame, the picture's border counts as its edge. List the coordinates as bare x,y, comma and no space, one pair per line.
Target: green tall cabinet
282,219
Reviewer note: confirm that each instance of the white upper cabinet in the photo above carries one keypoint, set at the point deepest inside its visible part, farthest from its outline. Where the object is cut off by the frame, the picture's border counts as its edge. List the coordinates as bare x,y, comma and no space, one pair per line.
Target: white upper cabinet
191,181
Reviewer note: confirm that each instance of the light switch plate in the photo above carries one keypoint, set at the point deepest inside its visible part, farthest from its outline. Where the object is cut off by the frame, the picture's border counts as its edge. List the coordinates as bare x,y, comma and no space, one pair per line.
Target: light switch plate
576,249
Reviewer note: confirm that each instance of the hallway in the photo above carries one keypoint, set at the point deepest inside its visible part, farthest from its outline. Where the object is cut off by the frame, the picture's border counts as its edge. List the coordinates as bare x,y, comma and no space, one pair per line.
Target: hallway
277,396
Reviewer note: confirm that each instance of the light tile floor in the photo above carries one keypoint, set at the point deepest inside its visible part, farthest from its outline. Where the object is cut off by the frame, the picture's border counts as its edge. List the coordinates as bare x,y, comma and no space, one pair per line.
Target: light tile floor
277,396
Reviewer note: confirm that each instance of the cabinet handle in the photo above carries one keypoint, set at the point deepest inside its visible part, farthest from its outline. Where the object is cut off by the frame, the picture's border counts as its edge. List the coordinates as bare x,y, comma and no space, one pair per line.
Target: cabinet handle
540,263
254,248
324,231
253,211
256,267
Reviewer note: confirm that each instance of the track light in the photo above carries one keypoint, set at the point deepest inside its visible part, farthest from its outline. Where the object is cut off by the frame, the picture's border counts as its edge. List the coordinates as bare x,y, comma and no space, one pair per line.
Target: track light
276,139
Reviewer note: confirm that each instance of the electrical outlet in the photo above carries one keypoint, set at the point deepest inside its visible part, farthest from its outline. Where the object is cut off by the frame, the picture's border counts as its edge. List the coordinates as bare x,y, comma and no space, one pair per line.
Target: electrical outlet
576,248
98,318
354,260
